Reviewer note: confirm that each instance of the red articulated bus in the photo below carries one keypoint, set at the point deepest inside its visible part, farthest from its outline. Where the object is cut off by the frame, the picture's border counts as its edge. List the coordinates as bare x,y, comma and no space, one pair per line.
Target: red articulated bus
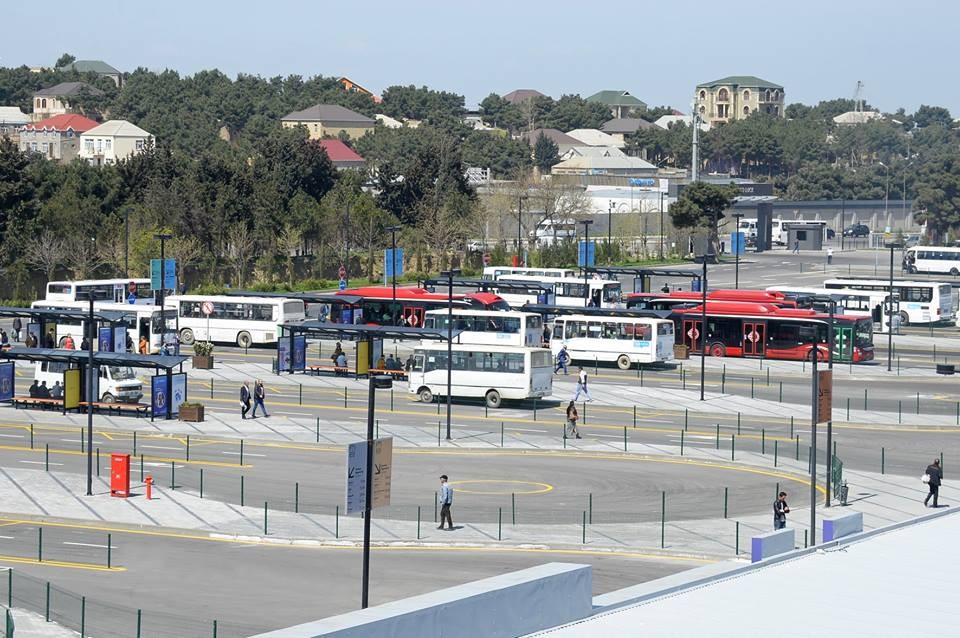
669,300
741,329
374,304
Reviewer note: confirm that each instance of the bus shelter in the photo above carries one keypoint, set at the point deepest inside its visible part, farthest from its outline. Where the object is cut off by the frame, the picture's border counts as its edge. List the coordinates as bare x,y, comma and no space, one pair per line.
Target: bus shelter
167,392
111,328
554,311
292,344
643,276
505,285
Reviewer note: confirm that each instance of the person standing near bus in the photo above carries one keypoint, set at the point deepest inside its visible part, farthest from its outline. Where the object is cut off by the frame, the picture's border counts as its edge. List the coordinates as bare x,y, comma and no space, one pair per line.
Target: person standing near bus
244,399
546,336
570,428
144,346
582,385
258,397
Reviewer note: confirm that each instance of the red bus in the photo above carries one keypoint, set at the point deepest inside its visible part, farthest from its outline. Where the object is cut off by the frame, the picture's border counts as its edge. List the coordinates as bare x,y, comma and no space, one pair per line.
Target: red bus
669,300
740,329
374,304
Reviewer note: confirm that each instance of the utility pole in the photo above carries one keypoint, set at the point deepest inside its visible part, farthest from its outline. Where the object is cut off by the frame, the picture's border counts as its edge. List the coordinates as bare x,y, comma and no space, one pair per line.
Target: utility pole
695,159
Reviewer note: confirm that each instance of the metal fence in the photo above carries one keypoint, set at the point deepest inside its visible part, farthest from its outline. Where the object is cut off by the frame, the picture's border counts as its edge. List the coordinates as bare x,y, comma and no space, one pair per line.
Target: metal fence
97,619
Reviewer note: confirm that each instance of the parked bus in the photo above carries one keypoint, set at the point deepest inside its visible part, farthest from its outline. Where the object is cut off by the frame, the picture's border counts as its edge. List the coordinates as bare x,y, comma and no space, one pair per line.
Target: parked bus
494,373
374,304
141,320
490,327
920,301
669,300
852,303
625,340
111,290
604,293
492,273
932,259
241,320
737,329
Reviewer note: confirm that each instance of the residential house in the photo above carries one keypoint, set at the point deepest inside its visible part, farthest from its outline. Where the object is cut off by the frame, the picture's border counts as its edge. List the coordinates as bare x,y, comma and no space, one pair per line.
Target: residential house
522,95
666,121
352,87
621,127
329,120
113,141
620,103
595,137
856,117
56,100
56,138
11,120
613,166
388,121
95,66
563,141
342,156
592,151
737,97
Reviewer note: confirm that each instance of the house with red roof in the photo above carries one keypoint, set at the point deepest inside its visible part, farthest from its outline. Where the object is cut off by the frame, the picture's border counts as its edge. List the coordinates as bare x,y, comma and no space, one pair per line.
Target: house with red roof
341,155
57,137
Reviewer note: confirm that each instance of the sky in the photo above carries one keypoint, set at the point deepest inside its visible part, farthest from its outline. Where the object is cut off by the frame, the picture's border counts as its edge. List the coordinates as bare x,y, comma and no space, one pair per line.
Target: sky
903,52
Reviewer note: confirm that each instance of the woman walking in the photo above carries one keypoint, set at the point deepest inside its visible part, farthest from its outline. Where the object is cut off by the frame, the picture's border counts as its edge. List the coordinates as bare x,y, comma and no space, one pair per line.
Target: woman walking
570,428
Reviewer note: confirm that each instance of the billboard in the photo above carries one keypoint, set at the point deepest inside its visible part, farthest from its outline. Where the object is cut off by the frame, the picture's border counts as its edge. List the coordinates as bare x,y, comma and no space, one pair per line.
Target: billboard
159,395
7,381
300,353
179,392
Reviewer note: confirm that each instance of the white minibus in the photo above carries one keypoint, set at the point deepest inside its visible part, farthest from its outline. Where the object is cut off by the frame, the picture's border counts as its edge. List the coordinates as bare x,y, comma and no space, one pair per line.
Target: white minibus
626,340
241,320
490,327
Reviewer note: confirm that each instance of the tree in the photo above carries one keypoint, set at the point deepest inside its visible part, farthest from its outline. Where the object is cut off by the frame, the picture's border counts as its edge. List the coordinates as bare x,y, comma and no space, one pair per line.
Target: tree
938,194
702,205
64,60
238,250
545,153
931,115
83,256
46,251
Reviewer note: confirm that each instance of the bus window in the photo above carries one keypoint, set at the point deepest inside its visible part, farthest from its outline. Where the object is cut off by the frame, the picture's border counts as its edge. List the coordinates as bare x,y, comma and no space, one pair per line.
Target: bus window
593,329
642,332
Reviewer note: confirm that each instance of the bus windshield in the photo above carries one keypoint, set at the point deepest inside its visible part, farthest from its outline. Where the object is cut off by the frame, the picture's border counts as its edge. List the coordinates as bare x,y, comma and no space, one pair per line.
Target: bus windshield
121,373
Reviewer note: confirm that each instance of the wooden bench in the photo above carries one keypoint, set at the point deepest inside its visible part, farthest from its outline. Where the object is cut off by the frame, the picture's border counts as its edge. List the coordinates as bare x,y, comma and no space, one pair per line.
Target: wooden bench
140,409
396,374
338,370
42,403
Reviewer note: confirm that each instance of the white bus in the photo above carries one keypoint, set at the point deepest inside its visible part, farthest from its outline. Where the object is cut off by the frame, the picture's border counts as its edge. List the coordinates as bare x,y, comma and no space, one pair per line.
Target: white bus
490,327
141,321
932,259
626,340
240,320
855,303
493,373
492,273
111,290
568,291
920,301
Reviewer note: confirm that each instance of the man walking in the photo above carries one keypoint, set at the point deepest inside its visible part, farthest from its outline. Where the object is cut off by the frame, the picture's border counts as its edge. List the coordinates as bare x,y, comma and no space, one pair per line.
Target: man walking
582,385
780,511
244,399
258,396
563,358
935,475
17,327
446,500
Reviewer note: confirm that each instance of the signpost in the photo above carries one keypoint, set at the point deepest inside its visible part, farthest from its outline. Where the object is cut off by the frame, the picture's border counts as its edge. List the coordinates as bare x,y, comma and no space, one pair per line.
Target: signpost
356,474
169,274
586,254
824,396
392,264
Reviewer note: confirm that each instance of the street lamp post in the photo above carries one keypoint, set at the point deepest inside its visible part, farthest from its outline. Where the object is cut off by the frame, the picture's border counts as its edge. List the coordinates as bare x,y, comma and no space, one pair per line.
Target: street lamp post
586,261
126,241
163,237
830,337
91,339
703,325
843,216
449,274
393,270
892,246
520,199
736,271
609,226
661,225
376,382
814,404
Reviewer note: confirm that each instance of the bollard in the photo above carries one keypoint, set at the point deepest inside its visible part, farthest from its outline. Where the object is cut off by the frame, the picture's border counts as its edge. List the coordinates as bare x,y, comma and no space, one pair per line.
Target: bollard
98,461
188,447
241,490
9,587
883,460
775,451
336,522
635,415
918,399
377,435
501,433
899,411
141,469
139,614
48,601
686,420
214,629
296,497
486,411
624,438
201,482
864,398
82,448
391,399
733,447
83,616
264,518
301,393
435,507
718,436
663,519
726,494
683,377
848,408
211,387
738,423
46,458
513,508
584,410
173,476
791,427
39,544
241,451
418,522
590,506
109,551
134,442
781,392
583,537
797,456
737,546
805,532
438,432
751,387
534,408
768,375
681,442
499,523
344,396
31,430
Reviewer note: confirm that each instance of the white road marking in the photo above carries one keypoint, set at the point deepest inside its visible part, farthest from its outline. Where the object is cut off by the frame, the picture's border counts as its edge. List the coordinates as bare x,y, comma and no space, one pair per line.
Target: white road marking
90,545
526,430
152,464
7,537
161,447
245,454
40,463
12,436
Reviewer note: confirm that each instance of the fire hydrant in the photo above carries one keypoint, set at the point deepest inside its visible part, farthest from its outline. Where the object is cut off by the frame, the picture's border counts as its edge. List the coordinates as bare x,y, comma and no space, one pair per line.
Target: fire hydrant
149,482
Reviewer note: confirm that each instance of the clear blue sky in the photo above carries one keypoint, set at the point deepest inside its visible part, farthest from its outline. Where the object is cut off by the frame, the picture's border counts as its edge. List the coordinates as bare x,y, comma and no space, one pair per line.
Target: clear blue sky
659,51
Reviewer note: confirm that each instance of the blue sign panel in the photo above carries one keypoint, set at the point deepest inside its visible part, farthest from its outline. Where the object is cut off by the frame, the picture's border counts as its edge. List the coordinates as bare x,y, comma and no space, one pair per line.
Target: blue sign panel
586,254
642,181
105,339
738,243
300,353
393,262
120,338
6,381
159,395
179,393
342,285
169,274
283,354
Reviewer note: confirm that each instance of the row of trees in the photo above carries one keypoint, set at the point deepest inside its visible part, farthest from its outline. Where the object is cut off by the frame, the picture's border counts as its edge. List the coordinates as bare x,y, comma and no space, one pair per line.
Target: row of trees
566,113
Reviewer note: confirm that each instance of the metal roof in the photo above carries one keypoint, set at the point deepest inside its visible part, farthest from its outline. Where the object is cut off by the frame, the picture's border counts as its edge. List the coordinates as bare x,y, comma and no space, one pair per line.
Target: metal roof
644,272
54,313
543,309
488,284
165,362
358,332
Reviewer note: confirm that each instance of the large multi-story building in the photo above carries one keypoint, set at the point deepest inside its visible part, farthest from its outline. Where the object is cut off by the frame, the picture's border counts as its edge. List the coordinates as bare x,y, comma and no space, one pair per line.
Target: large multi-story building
737,97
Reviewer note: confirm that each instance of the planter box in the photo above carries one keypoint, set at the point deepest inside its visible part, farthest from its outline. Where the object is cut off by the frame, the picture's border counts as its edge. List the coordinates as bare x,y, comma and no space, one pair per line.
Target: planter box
203,362
192,413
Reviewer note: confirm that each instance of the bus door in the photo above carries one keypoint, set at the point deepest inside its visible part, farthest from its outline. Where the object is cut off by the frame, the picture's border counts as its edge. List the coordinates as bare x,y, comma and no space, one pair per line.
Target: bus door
754,338
691,333
413,316
842,343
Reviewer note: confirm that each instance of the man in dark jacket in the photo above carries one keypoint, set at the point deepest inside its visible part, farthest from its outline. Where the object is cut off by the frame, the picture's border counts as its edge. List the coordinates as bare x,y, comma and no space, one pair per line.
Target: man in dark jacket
780,511
936,475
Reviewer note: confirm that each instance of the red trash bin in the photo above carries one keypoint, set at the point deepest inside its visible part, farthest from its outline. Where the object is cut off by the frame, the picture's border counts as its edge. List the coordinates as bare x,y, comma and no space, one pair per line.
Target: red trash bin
120,475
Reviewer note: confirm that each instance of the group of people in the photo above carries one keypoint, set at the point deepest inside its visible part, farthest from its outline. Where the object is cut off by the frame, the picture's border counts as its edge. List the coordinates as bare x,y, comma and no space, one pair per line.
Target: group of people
41,391
257,397
390,363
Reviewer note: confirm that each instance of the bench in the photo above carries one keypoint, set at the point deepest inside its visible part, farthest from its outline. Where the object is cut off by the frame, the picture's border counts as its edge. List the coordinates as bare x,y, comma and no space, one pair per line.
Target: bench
141,409
396,374
42,403
338,370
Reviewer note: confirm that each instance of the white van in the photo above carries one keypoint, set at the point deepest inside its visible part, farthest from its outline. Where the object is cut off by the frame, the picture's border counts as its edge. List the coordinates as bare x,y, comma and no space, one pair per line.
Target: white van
118,384
551,231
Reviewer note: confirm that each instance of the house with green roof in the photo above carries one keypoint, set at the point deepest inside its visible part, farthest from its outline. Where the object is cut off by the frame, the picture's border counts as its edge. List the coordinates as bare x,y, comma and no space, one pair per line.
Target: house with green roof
94,66
737,97
620,103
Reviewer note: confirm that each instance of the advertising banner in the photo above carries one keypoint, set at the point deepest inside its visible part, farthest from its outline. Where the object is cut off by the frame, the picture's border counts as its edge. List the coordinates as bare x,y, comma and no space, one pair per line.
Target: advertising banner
283,354
300,353
159,395
71,389
179,392
34,330
6,381
105,339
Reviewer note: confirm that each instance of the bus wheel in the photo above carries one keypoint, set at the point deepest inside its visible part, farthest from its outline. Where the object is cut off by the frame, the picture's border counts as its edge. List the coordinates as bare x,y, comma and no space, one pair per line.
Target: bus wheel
904,319
623,362
107,398
954,272
493,399
186,337
718,350
244,340
425,395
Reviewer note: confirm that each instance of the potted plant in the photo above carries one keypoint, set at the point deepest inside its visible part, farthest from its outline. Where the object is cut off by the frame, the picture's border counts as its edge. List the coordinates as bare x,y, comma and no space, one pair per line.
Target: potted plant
203,355
191,412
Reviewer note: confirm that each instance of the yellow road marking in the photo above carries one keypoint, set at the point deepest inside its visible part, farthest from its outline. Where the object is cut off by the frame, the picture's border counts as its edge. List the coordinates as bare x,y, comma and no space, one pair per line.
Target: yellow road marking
542,488
59,563
162,459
